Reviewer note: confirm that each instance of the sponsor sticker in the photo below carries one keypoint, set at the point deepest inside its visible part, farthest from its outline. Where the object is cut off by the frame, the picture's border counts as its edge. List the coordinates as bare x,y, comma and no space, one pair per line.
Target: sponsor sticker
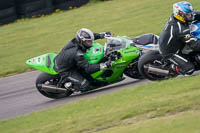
39,60
32,60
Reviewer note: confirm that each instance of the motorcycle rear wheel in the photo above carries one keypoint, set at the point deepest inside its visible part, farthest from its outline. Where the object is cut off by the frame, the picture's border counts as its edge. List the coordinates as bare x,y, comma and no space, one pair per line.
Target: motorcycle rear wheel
150,58
45,78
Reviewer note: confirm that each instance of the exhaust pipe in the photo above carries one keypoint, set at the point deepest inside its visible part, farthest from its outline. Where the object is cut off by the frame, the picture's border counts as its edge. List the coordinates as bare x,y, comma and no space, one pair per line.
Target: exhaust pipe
49,88
155,70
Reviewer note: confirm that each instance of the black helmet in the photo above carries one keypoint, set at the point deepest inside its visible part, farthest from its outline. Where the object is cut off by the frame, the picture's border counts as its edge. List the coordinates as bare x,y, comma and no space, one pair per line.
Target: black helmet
85,38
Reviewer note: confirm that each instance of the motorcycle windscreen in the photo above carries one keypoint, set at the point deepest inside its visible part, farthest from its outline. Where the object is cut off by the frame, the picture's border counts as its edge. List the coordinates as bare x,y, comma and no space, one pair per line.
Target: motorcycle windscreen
43,63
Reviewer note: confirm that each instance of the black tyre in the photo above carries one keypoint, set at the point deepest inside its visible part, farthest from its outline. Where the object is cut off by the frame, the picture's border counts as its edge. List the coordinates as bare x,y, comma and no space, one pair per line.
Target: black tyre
30,7
150,58
79,3
8,15
9,12
72,2
23,1
4,4
8,20
34,8
56,2
45,78
37,13
68,4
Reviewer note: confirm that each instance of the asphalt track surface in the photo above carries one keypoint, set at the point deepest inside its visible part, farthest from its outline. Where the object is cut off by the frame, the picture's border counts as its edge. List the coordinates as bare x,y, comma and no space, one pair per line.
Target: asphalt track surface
18,95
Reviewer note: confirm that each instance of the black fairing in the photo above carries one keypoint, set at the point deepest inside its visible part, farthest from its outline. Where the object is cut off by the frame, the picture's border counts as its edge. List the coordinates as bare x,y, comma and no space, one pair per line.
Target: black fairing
132,71
145,39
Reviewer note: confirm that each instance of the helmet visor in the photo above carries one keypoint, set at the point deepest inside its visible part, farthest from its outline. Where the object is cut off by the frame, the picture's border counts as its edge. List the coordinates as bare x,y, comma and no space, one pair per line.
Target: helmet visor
189,16
89,43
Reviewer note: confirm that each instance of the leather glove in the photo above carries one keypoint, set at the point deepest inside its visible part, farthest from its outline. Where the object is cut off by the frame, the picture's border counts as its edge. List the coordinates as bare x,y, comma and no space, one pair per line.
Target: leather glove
106,64
108,34
193,43
187,37
191,40
105,34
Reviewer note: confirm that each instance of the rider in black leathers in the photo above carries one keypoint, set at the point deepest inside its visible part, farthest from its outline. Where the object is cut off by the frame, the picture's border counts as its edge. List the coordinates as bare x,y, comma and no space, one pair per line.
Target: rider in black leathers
176,34
70,62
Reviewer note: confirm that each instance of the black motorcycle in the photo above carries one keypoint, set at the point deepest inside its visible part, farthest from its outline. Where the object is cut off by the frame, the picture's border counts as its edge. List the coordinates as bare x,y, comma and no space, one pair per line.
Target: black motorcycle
154,67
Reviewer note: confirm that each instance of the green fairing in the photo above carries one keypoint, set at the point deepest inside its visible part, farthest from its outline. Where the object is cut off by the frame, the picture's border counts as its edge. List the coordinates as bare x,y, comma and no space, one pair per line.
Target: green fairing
129,53
43,63
94,55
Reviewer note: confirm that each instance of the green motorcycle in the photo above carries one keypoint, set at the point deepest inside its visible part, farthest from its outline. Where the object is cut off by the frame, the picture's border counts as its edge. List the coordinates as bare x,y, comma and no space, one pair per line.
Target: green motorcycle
121,50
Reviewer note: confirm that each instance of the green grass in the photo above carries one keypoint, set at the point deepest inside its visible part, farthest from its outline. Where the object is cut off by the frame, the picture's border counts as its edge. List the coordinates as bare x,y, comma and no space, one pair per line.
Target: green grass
33,37
184,122
168,106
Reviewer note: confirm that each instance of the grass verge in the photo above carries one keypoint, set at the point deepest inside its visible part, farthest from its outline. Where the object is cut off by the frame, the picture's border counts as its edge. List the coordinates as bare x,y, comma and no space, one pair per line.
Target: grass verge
167,106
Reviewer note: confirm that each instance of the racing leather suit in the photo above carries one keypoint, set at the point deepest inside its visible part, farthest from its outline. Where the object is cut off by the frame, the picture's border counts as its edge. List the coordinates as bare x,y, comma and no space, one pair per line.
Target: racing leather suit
70,62
173,39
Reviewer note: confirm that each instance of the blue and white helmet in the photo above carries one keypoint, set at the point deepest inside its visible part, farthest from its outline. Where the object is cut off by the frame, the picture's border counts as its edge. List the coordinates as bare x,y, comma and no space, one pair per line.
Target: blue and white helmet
182,9
195,29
